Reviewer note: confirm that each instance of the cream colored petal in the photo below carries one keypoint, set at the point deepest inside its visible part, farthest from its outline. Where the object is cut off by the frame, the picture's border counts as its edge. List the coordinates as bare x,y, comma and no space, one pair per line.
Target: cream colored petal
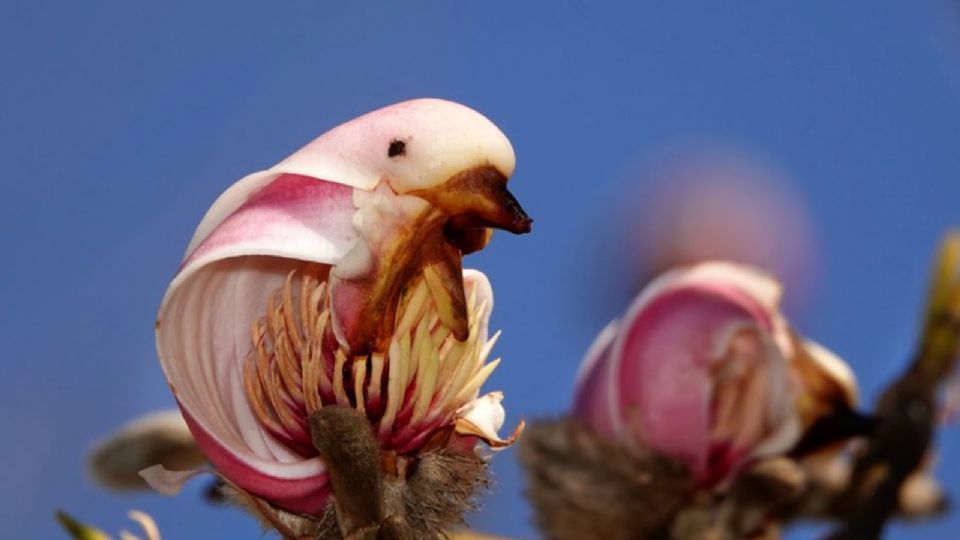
483,418
835,367
149,525
167,482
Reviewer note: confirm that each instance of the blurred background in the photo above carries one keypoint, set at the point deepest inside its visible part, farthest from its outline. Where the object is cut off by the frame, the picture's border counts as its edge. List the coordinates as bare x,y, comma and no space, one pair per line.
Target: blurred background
818,139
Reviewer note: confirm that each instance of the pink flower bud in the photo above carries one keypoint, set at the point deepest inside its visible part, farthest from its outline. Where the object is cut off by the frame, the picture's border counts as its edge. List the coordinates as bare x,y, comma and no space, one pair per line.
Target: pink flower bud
334,278
699,369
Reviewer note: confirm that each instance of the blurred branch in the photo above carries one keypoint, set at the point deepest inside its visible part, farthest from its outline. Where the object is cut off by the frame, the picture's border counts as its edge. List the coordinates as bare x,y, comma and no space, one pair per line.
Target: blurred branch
907,411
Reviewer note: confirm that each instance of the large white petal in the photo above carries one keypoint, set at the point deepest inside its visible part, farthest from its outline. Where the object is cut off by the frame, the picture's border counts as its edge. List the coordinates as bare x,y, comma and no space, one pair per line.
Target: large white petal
203,325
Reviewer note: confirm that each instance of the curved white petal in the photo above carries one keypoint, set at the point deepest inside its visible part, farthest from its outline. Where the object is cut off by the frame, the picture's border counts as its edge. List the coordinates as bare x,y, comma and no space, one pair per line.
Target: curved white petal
203,334
476,282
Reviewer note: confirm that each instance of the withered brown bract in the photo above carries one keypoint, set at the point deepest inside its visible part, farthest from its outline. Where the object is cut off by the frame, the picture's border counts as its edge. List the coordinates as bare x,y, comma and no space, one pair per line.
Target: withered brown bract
584,487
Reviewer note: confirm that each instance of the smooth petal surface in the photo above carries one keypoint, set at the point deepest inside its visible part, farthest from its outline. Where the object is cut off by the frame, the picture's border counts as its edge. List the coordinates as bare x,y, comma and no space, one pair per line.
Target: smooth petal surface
440,138
591,403
664,382
762,290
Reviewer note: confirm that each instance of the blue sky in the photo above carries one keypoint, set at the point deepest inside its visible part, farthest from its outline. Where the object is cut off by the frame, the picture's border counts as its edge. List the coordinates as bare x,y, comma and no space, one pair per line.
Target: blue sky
121,121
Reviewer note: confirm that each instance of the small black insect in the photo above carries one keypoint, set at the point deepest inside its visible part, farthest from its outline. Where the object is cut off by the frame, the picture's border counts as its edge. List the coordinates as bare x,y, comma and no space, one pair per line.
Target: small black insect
397,148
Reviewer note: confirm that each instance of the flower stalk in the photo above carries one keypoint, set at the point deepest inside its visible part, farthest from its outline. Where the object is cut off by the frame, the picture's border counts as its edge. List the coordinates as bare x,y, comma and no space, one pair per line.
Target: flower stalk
907,412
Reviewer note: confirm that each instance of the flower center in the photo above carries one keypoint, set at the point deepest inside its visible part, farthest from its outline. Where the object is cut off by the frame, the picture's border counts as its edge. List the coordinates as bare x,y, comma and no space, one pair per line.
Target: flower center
296,366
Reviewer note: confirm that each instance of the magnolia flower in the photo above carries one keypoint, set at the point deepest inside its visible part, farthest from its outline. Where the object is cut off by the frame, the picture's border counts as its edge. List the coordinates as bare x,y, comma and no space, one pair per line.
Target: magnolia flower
334,278
704,368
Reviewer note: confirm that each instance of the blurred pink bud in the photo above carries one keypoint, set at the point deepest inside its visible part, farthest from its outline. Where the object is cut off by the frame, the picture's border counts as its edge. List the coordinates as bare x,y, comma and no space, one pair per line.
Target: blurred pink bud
698,370
716,204
335,278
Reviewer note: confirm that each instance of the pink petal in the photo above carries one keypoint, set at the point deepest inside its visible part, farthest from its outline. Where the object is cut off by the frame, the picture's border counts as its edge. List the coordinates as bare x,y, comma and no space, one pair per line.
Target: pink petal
763,291
591,402
298,487
662,373
358,149
355,154
291,216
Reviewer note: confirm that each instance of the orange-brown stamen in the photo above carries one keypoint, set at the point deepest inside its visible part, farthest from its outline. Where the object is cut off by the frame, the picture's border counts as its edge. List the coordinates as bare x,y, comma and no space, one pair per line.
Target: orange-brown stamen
295,366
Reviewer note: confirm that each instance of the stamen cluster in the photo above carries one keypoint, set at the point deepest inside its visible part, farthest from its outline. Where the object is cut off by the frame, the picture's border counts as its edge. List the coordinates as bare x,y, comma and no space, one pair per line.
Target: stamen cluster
409,393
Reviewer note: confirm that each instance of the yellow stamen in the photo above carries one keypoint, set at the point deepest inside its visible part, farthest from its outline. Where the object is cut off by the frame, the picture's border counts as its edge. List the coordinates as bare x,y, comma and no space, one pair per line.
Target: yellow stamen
393,387
359,376
429,366
376,375
338,389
